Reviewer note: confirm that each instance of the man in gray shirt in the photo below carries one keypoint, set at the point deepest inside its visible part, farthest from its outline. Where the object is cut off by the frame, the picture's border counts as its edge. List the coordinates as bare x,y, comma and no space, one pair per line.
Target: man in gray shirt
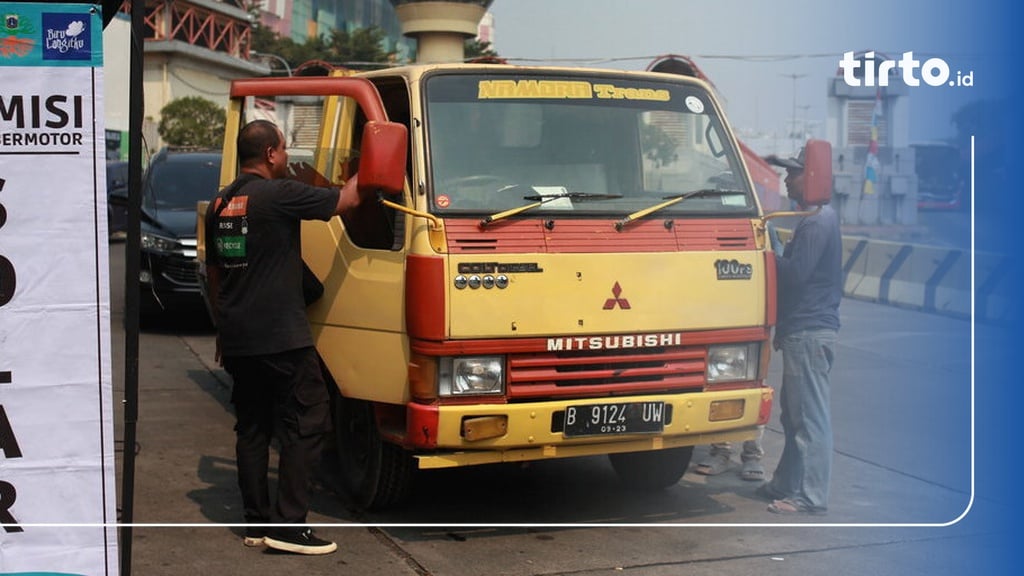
810,288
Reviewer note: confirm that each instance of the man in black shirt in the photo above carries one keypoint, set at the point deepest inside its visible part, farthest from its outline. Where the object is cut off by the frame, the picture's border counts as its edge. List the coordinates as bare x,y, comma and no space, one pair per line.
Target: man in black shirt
254,264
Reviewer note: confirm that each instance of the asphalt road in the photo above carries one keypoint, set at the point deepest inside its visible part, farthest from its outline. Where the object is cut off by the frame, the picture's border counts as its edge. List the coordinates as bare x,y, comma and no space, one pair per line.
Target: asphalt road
901,490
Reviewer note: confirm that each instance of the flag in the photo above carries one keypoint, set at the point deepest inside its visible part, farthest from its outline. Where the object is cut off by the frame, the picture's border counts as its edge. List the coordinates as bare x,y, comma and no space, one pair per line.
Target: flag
871,165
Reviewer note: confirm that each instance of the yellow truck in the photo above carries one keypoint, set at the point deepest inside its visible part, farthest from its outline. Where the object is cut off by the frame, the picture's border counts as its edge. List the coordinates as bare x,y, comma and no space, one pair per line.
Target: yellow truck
546,263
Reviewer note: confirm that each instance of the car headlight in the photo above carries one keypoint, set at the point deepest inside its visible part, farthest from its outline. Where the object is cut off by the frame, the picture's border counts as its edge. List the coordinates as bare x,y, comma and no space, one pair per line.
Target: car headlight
157,243
471,375
733,362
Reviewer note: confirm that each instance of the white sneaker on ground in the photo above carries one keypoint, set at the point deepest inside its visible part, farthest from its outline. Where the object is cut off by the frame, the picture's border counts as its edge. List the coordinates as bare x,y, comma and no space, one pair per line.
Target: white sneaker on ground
298,541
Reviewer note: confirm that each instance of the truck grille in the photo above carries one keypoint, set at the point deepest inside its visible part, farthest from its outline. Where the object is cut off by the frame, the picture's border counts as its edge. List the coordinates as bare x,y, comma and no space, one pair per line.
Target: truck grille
593,373
586,236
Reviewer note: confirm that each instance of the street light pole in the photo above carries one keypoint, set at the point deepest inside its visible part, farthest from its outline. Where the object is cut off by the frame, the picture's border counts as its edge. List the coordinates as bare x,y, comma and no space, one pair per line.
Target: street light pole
794,77
804,125
274,56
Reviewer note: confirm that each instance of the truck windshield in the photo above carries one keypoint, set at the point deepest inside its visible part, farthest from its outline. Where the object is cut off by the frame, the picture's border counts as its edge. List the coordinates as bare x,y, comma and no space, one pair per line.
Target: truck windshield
496,139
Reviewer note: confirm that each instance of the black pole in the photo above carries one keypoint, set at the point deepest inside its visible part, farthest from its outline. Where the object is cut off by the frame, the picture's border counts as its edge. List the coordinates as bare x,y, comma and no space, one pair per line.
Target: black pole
131,291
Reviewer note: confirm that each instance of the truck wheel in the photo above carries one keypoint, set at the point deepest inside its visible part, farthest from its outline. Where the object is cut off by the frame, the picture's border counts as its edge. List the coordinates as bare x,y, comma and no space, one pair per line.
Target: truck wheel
652,470
376,474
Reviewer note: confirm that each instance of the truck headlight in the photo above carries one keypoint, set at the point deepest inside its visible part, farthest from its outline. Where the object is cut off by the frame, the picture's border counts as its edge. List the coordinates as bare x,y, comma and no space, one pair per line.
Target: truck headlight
471,375
732,362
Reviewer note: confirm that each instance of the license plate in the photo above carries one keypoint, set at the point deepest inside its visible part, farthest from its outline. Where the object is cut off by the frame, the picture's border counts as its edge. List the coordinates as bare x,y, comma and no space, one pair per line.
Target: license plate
614,418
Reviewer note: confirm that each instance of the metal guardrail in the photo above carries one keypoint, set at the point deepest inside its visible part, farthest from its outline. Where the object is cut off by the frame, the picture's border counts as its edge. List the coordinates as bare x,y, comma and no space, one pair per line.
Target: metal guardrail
927,278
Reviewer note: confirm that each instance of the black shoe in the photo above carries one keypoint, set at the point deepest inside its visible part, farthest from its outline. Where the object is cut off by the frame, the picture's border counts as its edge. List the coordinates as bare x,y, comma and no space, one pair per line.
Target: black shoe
254,536
298,541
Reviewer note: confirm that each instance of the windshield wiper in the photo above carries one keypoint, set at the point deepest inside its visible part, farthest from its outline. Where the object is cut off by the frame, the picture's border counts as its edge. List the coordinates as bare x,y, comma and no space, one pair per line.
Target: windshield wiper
541,199
674,199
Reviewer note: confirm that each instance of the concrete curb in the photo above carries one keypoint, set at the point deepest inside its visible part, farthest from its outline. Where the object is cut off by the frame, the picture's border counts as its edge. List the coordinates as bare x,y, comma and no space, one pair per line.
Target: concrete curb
927,278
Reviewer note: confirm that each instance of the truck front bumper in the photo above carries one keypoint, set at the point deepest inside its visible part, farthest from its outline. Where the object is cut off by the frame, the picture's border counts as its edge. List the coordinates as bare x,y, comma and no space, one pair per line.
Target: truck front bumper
526,431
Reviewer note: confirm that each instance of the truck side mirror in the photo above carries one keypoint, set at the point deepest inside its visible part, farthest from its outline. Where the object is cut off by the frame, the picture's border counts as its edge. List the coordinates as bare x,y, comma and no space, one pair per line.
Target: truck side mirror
382,158
817,172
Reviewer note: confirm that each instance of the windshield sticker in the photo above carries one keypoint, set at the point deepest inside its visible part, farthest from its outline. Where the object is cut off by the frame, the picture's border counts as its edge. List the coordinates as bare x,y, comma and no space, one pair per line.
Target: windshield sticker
443,201
554,197
694,105
562,89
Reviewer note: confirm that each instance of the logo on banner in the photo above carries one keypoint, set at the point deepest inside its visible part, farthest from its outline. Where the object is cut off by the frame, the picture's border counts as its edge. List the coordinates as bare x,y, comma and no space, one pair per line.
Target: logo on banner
15,36
66,37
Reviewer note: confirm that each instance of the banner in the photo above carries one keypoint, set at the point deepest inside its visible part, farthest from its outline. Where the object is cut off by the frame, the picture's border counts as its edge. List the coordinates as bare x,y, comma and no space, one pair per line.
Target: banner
58,498
872,164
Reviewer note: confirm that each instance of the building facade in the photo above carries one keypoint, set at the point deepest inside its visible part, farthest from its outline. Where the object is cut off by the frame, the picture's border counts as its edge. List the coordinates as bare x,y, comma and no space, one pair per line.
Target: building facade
304,19
869,127
197,47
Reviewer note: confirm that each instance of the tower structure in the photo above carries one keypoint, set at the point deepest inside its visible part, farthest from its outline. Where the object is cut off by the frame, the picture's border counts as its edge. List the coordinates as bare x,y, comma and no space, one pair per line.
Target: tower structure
440,27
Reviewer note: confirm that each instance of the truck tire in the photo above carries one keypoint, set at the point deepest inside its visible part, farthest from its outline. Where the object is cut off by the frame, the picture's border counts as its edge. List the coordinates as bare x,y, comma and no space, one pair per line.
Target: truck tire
652,470
375,474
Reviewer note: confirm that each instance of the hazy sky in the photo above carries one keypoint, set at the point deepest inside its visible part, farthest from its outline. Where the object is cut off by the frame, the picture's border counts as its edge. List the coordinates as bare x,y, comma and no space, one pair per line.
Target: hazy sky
750,49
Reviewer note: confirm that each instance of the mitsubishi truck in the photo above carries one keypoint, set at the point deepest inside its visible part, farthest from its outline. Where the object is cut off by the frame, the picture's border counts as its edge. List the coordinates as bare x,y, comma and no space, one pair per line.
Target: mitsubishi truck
546,263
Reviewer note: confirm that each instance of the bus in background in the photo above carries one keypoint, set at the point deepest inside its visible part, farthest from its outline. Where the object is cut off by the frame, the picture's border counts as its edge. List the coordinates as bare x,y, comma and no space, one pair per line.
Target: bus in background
940,171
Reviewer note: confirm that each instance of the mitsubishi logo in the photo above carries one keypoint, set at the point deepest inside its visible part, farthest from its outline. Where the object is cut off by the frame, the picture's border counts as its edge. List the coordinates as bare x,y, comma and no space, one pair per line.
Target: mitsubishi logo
610,303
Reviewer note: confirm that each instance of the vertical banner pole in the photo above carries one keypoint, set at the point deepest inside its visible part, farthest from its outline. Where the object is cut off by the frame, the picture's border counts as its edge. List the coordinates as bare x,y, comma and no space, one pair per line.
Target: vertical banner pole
131,292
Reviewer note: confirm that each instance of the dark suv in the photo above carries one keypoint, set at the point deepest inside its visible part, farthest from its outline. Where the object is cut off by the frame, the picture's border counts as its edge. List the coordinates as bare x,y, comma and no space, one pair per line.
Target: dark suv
172,185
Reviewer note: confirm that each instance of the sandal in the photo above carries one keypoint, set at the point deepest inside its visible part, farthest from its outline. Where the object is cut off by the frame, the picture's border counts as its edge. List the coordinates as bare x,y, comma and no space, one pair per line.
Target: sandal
791,507
753,471
714,464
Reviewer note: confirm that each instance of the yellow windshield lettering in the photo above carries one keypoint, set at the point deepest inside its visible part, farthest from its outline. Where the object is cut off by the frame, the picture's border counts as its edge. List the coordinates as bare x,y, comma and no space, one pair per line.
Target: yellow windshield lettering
489,89
559,89
610,91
